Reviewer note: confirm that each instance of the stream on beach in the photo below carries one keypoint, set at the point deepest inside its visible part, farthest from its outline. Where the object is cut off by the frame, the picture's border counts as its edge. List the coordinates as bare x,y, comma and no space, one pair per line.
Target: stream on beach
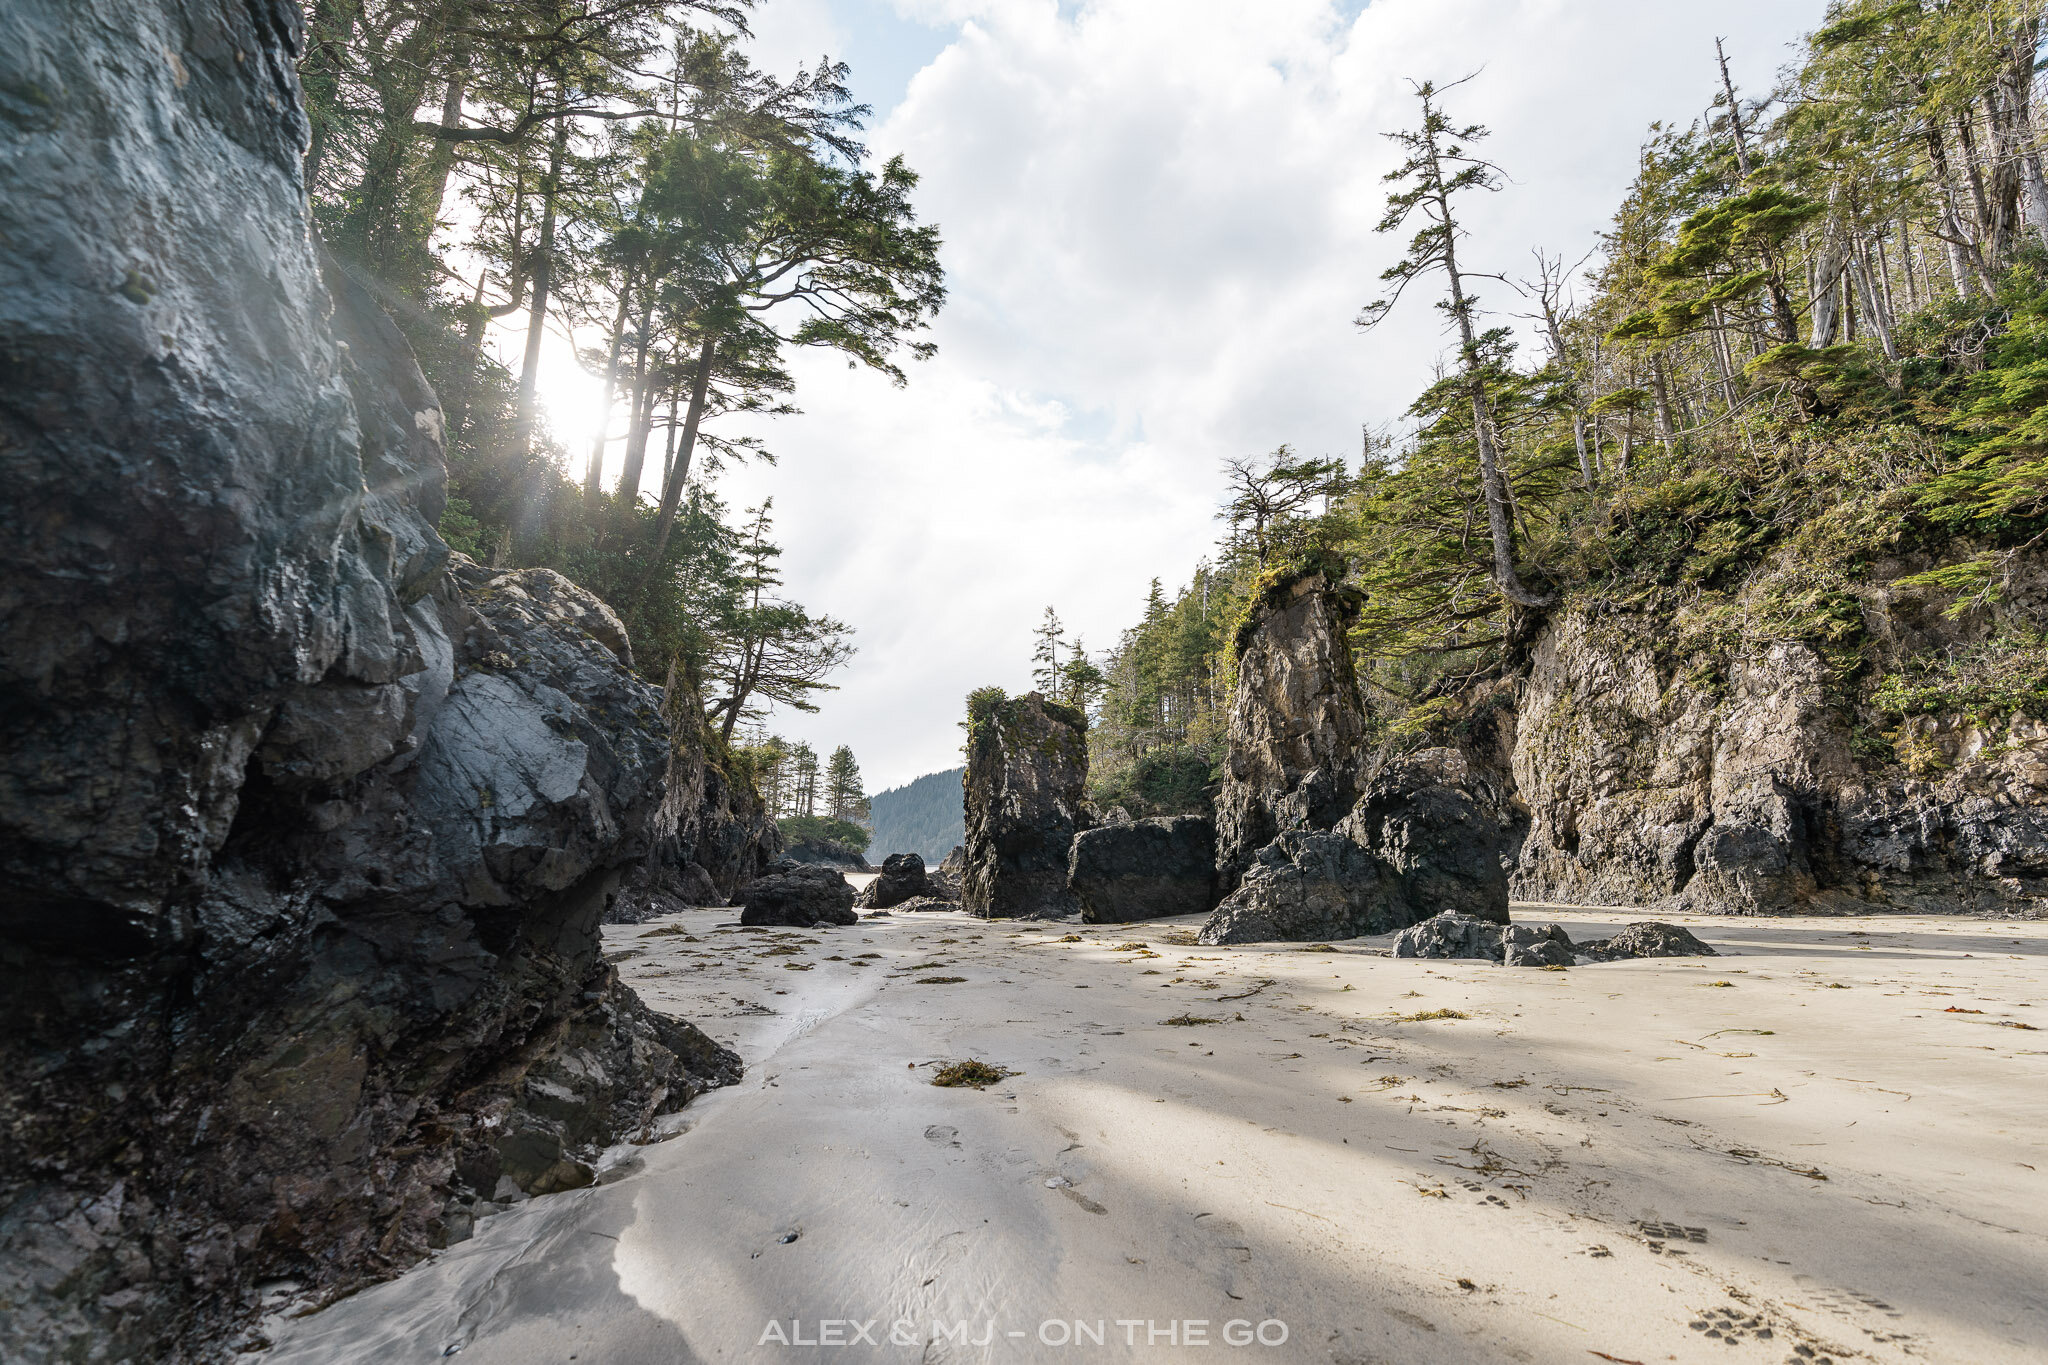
1291,1153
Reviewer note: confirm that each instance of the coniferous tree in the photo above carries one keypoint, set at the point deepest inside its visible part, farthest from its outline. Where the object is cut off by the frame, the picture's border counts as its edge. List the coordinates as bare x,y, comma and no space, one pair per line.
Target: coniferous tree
1440,167
1047,638
845,797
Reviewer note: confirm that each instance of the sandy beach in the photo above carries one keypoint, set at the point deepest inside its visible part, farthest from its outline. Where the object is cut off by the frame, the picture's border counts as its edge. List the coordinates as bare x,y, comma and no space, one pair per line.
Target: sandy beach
1829,1143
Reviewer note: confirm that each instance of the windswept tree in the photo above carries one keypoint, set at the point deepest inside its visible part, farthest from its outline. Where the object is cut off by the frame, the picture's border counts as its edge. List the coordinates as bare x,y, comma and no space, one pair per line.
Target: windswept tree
770,649
1269,500
1438,169
804,254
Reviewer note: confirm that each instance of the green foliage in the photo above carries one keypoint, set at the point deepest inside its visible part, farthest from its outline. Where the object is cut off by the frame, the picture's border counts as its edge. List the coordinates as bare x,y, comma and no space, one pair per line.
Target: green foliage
1175,779
2004,676
812,829
1803,368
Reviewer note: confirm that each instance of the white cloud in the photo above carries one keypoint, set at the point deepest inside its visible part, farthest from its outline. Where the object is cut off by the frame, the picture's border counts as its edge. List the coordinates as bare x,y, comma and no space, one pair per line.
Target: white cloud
1158,219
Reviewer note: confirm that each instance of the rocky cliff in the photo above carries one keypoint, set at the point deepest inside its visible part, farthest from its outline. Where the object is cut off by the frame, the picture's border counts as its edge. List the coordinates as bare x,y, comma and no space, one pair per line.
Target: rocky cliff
1296,720
1747,780
1027,767
304,832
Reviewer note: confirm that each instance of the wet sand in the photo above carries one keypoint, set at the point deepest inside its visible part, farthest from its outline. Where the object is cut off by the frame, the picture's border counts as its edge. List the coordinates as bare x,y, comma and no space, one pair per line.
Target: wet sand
1831,1143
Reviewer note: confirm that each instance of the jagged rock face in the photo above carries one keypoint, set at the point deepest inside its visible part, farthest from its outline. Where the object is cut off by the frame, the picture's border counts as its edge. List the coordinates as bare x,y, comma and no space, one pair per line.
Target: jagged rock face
1144,869
1648,787
1296,723
304,840
798,895
1441,829
722,829
1426,837
1027,763
1641,787
1451,935
1305,886
902,878
1523,945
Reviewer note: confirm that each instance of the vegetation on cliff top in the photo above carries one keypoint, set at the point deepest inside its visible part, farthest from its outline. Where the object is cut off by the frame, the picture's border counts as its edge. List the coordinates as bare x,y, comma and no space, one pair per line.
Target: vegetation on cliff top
623,171
1806,376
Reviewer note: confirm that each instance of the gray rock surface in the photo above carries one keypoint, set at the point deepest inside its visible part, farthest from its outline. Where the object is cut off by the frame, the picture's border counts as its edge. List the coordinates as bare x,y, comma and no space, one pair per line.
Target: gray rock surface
1645,787
1425,838
1455,935
1296,722
1144,869
1451,935
1439,827
1303,887
1027,765
1646,938
902,878
827,853
798,895
1524,945
304,838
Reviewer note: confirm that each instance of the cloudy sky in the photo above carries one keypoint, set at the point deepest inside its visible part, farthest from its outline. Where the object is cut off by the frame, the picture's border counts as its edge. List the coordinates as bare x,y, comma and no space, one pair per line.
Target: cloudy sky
1158,222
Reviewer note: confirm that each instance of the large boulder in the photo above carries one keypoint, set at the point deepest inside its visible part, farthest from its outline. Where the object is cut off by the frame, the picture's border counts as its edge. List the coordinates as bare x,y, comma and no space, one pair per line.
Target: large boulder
1425,838
1439,827
1027,763
1451,935
1145,869
1296,720
1303,887
1646,938
798,895
1523,945
902,878
304,838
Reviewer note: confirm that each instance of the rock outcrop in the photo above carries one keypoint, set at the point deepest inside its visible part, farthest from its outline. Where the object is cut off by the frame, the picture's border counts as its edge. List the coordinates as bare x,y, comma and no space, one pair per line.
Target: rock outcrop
1451,935
902,878
1646,938
304,835
722,827
798,895
1305,886
1296,721
1426,836
1734,785
827,853
1145,869
1027,763
1441,828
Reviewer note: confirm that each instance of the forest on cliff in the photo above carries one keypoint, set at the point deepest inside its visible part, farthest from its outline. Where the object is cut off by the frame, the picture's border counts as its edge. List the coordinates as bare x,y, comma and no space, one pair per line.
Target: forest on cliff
1806,362
623,173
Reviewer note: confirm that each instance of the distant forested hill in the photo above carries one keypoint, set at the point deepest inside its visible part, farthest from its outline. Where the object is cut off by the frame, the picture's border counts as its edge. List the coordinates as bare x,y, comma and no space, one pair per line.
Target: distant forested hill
924,817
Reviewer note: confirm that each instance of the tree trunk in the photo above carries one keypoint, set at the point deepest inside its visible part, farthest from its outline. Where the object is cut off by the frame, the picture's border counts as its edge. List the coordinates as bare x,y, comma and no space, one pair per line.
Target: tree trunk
679,472
433,190
593,471
636,452
1661,392
1961,247
1875,312
537,310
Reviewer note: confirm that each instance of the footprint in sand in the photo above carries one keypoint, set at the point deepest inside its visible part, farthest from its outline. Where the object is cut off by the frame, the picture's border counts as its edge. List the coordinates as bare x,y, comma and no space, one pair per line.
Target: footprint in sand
941,1135
1731,1326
